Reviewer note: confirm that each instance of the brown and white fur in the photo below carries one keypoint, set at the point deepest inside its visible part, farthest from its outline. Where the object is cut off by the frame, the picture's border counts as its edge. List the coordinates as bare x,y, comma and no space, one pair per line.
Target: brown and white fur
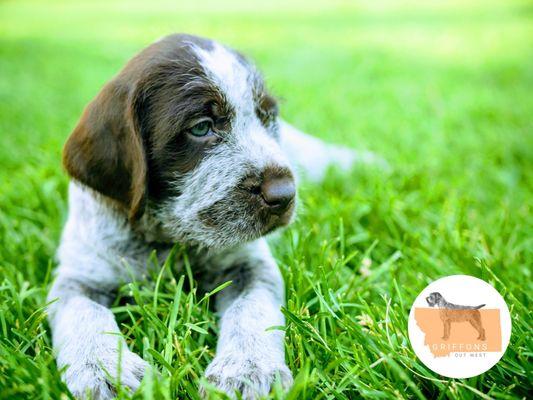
450,312
141,180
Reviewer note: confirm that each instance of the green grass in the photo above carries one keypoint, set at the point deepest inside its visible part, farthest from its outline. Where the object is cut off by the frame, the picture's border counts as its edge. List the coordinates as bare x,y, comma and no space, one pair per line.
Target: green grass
443,90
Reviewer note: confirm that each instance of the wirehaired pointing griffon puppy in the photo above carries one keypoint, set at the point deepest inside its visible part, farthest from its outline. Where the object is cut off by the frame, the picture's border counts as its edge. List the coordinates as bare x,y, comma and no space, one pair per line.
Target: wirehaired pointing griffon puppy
450,312
184,146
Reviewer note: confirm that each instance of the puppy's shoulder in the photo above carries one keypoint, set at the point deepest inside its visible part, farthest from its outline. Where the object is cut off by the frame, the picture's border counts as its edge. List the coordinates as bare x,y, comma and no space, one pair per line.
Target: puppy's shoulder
93,217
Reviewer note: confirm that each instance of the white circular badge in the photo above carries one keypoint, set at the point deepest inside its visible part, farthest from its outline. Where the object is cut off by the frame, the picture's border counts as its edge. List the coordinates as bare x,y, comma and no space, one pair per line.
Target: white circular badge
459,326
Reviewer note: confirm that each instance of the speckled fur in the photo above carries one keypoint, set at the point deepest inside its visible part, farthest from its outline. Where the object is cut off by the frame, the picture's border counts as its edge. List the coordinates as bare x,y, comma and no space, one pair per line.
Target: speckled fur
102,248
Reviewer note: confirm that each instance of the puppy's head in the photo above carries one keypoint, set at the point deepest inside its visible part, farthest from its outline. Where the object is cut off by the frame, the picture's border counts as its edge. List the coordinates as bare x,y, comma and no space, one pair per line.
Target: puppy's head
434,299
187,131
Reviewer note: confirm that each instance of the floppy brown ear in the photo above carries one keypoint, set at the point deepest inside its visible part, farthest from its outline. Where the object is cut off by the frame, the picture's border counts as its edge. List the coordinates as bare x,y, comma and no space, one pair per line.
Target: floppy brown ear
105,151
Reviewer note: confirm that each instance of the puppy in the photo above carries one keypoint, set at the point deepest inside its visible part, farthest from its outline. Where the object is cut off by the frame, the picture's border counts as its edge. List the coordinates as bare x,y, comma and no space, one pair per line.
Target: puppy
455,313
184,145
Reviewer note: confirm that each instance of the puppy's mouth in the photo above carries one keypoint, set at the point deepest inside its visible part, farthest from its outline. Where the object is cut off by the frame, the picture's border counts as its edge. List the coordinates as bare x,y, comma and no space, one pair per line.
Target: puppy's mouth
245,217
274,221
430,302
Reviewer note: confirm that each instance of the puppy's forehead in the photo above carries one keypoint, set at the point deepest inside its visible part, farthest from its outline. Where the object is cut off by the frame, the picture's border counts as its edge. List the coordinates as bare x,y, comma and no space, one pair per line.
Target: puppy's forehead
230,72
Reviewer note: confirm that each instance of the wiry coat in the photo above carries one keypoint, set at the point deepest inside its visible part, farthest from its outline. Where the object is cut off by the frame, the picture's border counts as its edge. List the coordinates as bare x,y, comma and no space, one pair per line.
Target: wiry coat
143,179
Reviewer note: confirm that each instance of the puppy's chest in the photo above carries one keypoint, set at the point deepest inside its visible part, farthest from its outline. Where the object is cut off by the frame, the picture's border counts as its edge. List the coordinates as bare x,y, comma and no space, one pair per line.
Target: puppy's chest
179,260
159,250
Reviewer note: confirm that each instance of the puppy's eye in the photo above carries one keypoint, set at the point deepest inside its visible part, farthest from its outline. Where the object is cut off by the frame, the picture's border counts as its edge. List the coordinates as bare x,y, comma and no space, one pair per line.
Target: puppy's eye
201,129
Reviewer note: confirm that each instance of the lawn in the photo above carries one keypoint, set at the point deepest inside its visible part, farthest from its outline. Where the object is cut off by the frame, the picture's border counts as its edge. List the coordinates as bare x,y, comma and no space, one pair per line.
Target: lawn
441,89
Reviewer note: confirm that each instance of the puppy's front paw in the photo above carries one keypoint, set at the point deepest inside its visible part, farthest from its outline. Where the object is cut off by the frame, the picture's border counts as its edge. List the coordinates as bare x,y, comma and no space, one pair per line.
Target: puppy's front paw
95,377
250,376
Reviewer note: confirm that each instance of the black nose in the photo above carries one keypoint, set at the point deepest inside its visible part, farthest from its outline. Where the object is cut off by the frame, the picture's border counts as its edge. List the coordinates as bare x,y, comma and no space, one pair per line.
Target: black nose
278,192
277,189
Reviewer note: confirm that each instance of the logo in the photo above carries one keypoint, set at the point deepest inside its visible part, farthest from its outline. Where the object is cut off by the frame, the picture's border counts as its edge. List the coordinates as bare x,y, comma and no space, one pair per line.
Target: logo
459,326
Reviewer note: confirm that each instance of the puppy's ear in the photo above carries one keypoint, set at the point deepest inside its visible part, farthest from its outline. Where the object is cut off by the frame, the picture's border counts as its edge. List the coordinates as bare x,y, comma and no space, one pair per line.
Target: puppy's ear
105,151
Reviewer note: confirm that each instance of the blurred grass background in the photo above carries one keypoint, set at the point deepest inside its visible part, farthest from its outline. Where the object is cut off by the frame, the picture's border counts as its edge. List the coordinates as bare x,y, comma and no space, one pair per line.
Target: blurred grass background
441,89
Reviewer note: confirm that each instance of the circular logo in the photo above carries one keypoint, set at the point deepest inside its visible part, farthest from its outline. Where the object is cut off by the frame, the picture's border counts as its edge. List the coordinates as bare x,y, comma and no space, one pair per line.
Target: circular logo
459,326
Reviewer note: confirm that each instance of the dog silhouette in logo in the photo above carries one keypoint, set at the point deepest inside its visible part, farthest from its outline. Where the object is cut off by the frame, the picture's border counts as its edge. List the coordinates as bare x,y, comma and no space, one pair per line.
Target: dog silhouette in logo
455,313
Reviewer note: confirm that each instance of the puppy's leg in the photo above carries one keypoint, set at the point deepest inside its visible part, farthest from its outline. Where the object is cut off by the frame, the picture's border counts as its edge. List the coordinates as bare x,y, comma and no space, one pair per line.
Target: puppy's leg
312,157
475,321
85,335
88,342
249,357
447,328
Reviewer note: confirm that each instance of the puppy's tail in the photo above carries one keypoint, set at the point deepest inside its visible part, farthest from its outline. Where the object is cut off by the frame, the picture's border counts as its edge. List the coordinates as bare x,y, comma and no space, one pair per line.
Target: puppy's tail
480,306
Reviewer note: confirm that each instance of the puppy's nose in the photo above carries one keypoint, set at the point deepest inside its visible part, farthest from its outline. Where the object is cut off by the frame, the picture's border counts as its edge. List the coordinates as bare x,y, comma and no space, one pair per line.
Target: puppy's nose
278,189
278,192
